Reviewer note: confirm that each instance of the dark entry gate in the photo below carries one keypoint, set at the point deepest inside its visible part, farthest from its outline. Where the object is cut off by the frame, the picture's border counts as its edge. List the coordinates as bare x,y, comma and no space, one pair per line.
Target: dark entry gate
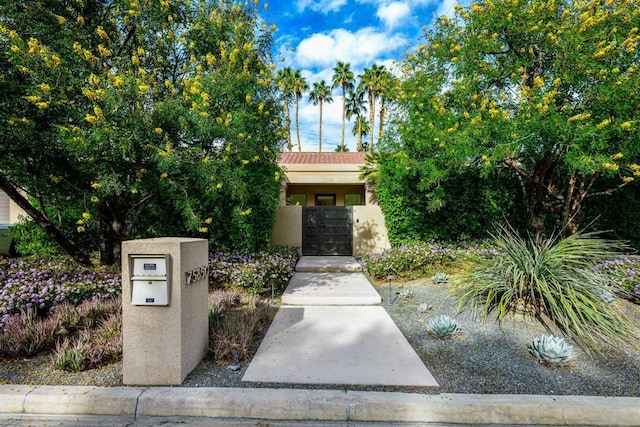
327,230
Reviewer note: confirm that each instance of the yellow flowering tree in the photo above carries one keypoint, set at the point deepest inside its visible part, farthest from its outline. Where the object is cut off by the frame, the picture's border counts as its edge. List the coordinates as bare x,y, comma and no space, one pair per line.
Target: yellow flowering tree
124,119
547,90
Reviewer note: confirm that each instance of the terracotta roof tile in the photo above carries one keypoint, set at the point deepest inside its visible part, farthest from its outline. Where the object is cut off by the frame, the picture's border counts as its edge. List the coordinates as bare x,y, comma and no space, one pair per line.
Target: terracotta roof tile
335,158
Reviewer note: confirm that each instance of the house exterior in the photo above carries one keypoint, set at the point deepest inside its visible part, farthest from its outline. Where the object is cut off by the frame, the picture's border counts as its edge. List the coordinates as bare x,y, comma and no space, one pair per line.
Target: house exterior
9,211
325,208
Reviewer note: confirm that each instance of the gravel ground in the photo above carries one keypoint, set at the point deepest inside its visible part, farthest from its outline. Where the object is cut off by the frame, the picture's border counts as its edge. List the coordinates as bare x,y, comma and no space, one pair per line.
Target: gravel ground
484,358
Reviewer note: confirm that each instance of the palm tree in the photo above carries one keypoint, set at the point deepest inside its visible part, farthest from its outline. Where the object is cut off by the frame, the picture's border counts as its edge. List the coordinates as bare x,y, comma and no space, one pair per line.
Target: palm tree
355,106
283,79
386,82
369,82
299,86
320,93
360,129
343,77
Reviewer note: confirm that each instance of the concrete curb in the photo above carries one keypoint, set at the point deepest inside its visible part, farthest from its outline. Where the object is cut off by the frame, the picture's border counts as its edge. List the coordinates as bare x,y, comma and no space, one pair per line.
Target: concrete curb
318,405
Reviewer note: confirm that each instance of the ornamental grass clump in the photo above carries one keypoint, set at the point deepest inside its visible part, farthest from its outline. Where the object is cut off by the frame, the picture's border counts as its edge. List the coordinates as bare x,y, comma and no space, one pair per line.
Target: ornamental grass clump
552,280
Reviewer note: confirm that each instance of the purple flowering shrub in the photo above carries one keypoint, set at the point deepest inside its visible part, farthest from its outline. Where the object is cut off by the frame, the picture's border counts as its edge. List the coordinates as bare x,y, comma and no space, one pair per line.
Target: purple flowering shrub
41,284
255,273
624,273
415,260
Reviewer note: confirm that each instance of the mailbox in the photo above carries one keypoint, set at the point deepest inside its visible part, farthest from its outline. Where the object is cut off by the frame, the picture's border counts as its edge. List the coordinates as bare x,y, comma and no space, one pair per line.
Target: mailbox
150,279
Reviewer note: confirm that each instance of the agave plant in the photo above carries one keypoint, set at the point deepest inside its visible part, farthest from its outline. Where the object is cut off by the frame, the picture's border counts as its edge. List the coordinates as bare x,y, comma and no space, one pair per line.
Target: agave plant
424,307
440,278
406,294
443,326
554,281
552,351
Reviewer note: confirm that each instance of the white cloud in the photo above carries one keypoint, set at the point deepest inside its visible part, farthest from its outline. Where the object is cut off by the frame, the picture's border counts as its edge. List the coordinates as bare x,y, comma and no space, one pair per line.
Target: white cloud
393,13
362,47
324,6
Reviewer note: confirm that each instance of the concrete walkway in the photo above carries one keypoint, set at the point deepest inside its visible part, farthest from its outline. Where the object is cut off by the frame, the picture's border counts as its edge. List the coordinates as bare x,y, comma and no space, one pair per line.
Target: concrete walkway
332,330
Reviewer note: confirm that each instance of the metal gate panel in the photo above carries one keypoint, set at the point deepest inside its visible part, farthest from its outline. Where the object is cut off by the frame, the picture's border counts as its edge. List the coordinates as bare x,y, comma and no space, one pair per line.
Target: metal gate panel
328,230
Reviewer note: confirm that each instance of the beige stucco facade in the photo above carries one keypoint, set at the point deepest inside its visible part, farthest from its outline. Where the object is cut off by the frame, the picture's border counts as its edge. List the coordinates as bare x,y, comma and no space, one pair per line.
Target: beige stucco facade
10,212
369,231
312,175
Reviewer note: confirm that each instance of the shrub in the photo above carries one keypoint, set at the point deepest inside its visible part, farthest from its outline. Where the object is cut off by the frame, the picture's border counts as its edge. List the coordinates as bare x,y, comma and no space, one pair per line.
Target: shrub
233,330
39,284
414,260
553,280
256,273
624,274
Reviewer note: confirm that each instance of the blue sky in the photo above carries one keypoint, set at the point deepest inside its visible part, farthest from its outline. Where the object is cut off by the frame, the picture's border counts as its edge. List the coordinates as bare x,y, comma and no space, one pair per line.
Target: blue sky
313,35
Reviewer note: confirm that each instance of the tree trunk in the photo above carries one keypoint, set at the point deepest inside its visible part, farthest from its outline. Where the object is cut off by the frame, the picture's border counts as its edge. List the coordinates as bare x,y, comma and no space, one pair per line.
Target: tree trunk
372,118
344,107
44,222
111,228
359,148
288,124
297,126
380,128
320,130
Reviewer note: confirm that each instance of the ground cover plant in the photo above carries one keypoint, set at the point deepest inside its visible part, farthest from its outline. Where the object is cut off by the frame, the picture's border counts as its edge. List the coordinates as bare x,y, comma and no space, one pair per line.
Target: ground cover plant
414,260
73,313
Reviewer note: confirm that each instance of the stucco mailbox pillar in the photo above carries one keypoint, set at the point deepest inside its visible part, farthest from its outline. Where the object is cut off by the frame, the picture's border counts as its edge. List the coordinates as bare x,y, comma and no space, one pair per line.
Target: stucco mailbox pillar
165,329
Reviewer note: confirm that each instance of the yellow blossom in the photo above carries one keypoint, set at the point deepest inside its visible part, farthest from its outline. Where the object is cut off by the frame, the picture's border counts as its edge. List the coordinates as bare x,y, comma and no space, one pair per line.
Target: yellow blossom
158,130
219,185
628,179
245,212
94,80
94,199
208,220
203,229
80,221
15,49
134,191
80,20
617,156
80,229
118,81
102,33
143,88
96,185
582,116
42,105
626,125
86,216
603,124
45,87
163,175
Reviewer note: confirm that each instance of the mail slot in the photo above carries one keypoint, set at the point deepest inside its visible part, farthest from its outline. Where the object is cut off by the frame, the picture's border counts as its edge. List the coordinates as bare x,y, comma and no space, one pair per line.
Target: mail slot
150,279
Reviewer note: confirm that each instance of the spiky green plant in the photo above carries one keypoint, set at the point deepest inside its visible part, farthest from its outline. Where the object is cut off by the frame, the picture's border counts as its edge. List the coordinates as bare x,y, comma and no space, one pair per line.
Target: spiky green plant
443,326
551,351
552,280
440,278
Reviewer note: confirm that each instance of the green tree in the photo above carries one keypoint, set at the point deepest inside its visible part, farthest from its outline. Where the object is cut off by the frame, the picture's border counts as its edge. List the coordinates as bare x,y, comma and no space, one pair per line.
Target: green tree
284,79
300,86
355,106
343,78
320,94
386,86
546,90
129,119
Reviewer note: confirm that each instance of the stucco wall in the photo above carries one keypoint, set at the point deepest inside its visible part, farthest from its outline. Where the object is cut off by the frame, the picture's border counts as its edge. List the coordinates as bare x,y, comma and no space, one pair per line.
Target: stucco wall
287,229
9,211
369,230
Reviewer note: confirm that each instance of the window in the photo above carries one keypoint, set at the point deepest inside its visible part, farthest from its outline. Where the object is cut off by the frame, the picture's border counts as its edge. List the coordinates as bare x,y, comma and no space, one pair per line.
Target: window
353,199
325,199
297,199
